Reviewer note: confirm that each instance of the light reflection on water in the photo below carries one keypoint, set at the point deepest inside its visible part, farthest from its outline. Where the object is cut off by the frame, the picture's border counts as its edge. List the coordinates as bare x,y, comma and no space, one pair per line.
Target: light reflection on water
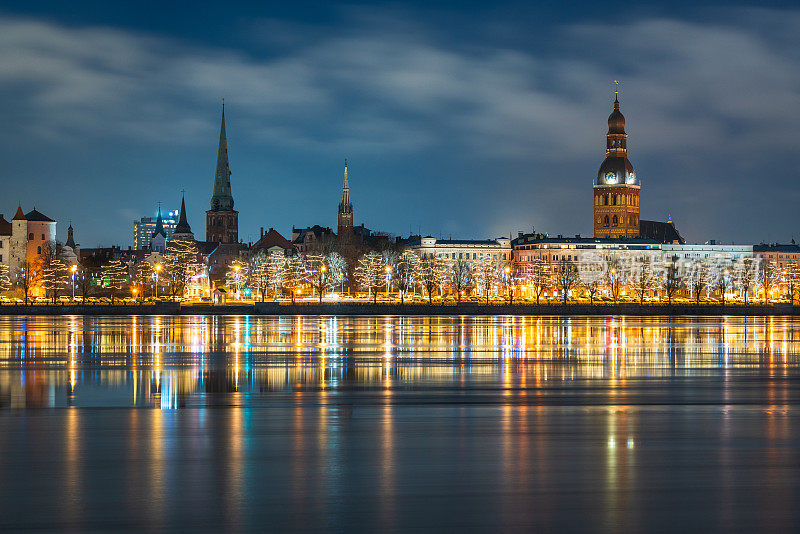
171,362
385,424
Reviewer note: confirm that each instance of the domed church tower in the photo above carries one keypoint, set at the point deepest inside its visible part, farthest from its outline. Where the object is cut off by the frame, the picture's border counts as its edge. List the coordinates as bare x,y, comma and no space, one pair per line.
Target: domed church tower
616,190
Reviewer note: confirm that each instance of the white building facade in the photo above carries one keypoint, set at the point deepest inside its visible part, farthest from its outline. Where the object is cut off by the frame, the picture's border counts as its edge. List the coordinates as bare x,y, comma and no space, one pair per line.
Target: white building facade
463,249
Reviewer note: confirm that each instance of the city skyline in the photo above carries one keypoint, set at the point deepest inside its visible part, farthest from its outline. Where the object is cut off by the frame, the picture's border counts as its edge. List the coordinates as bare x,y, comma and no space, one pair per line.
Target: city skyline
481,172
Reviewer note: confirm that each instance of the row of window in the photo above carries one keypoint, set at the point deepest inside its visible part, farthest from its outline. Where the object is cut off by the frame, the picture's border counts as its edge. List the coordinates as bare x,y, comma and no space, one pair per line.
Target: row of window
616,221
616,200
466,255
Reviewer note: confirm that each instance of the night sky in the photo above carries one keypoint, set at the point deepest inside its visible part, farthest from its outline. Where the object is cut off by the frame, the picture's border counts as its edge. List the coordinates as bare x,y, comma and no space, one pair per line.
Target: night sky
460,119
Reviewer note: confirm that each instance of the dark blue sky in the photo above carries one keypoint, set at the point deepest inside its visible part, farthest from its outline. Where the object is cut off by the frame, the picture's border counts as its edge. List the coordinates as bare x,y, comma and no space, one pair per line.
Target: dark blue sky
458,118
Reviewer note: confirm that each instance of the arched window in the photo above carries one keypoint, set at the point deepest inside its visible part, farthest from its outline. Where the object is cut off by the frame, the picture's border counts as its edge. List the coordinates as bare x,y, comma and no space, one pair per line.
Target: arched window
605,199
605,221
615,221
38,250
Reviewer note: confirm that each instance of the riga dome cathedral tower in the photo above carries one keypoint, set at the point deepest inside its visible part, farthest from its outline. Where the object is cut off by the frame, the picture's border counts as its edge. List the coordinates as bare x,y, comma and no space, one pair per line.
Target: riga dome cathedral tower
616,190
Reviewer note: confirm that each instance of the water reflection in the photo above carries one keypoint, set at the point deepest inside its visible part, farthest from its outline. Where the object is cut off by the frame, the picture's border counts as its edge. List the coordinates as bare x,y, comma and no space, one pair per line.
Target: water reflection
171,362
399,423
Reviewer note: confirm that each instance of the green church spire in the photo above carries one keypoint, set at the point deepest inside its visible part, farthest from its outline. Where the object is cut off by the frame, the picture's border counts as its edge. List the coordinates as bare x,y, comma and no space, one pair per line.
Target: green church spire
222,200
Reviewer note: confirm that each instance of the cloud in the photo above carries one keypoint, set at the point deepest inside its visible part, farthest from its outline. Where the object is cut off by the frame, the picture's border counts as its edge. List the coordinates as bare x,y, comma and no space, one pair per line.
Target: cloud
708,101
691,85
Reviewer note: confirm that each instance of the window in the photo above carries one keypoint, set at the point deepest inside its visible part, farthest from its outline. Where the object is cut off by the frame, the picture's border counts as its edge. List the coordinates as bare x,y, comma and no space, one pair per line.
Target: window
38,250
42,237
615,221
1,244
605,221
1,258
30,236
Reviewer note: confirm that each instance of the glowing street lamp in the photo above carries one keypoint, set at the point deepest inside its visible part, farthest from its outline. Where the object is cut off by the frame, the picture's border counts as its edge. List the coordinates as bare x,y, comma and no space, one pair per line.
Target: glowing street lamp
158,270
388,271
74,269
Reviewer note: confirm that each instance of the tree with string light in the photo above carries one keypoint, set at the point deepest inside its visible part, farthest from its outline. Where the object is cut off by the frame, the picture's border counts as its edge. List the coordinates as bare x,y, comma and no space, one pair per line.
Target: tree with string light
369,274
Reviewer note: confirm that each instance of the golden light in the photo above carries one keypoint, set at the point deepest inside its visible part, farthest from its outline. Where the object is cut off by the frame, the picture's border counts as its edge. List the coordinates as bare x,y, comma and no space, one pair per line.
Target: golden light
507,269
236,268
134,290
158,267
324,268
388,269
73,268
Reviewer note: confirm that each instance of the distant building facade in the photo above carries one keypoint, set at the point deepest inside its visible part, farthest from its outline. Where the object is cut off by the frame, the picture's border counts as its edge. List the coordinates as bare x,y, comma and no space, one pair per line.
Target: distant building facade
471,250
145,228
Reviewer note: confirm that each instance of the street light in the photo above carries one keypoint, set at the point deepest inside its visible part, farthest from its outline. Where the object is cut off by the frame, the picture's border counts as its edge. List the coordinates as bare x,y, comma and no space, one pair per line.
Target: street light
388,270
74,268
158,269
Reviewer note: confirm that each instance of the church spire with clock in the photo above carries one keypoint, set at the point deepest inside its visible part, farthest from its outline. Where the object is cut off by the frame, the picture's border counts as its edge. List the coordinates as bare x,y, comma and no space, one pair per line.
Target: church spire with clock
616,190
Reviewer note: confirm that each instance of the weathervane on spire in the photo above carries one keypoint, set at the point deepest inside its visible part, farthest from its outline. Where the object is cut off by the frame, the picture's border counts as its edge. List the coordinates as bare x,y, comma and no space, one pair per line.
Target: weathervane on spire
616,89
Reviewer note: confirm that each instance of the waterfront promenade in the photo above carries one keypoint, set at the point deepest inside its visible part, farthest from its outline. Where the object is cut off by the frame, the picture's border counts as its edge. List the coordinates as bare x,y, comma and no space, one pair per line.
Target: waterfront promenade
363,308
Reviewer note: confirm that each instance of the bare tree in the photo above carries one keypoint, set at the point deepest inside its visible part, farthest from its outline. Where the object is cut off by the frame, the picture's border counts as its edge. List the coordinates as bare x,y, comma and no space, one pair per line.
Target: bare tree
539,277
337,269
792,280
318,276
369,274
643,278
747,275
276,268
295,275
768,278
460,276
614,278
430,267
592,287
672,279
5,279
115,277
487,274
407,270
698,279
566,275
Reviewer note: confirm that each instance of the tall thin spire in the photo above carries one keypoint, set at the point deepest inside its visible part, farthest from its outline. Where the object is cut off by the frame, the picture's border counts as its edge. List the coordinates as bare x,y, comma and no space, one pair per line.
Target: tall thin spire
182,228
222,199
345,207
345,187
70,237
159,224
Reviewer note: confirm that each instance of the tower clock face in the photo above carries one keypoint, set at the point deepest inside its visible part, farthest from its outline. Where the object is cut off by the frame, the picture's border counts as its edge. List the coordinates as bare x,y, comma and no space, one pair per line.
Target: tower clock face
611,178
631,178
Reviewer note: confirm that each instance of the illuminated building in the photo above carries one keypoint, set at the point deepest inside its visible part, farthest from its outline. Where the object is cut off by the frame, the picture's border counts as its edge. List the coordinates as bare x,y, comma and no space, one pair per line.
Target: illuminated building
463,249
145,228
345,217
616,190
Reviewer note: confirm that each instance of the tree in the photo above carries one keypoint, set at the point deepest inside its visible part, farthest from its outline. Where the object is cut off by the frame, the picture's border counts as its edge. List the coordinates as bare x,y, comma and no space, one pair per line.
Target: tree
276,267
5,279
615,276
180,255
369,274
566,275
592,287
429,270
461,276
337,269
643,277
26,277
259,273
792,280
318,276
143,278
539,277
746,275
295,275
698,278
114,275
672,279
55,277
83,281
236,276
768,278
487,274
722,283
407,271
54,272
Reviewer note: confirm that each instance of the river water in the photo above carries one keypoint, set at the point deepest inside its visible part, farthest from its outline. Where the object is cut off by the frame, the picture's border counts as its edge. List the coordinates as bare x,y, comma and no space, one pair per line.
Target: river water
387,424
